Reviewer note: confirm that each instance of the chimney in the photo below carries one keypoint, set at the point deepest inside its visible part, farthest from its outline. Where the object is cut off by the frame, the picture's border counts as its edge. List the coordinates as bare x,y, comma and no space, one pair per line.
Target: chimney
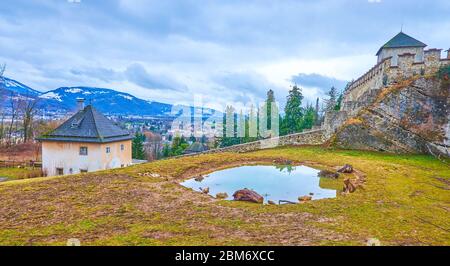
80,104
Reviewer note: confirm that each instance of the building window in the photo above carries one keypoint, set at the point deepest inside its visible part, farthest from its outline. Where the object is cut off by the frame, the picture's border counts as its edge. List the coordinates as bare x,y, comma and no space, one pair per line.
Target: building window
83,171
59,171
83,150
108,150
122,147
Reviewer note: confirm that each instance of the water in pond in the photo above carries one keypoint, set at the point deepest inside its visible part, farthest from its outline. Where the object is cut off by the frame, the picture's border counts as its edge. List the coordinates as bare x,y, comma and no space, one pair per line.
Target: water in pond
272,182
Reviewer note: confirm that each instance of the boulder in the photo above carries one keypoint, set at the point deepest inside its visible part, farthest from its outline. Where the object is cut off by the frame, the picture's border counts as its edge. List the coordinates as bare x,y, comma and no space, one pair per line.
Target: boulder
349,186
328,174
205,190
304,198
222,195
282,161
248,195
347,168
271,202
199,178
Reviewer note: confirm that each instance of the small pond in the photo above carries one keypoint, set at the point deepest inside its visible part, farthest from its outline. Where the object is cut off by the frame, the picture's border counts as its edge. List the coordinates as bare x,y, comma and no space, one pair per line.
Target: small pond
272,182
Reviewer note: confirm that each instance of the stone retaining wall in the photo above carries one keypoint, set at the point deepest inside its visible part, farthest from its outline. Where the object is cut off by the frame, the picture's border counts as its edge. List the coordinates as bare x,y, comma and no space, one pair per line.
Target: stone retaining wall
313,137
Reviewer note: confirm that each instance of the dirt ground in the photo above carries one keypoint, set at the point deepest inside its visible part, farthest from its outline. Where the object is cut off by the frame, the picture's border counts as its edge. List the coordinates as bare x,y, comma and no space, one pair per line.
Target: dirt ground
402,203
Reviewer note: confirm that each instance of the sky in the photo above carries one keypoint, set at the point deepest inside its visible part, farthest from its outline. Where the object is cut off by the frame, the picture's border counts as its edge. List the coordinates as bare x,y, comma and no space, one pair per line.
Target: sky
228,52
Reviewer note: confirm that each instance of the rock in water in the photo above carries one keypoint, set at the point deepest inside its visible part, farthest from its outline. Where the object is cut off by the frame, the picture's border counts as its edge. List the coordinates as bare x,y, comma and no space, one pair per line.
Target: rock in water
304,198
248,195
328,174
347,168
222,195
205,190
199,178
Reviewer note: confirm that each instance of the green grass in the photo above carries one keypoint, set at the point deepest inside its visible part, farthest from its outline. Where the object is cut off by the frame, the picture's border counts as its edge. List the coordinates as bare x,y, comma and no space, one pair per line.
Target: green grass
15,173
405,201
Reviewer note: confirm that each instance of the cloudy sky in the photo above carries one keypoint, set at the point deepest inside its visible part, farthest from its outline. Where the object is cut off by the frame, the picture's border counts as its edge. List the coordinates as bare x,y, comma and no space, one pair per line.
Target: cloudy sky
228,51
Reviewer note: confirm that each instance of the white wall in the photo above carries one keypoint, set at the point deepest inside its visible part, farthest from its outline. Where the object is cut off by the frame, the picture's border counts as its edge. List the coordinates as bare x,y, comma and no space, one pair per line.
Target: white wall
66,155
394,52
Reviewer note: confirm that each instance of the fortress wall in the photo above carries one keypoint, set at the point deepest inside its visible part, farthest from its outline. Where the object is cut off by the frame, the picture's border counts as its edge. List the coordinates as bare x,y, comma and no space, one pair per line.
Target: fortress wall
372,79
406,67
363,91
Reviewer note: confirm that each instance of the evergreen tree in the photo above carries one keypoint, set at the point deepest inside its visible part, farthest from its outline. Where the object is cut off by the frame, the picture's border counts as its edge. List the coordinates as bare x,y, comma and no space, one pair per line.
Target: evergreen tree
138,146
293,111
317,113
337,107
309,117
229,128
179,144
166,151
270,99
332,100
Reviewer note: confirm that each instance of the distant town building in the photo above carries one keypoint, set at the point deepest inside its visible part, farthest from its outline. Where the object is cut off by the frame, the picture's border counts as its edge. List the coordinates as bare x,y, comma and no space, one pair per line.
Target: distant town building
88,141
196,147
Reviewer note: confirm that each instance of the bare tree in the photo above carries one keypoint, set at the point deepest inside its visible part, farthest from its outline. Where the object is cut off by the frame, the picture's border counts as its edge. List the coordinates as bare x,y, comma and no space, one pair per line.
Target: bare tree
14,113
2,101
28,111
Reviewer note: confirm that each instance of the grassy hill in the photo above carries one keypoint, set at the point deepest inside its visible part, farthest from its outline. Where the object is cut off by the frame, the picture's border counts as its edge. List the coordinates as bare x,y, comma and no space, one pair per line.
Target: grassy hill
405,201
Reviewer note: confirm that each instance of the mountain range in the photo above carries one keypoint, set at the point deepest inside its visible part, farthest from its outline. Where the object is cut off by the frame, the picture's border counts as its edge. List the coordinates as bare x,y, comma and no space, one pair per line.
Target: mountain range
63,99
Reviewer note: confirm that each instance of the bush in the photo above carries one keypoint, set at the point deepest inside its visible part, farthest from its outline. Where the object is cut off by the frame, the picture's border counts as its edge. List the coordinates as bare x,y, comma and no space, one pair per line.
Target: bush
35,173
444,73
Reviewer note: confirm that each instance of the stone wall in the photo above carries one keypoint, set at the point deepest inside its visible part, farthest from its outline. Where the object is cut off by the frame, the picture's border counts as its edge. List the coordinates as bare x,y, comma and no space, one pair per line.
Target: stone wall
373,117
312,137
365,90
412,118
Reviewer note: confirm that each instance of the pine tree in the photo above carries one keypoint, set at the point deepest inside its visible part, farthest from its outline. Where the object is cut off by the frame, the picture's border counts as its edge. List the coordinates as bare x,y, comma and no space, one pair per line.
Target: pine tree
317,113
270,99
293,111
332,100
309,117
138,146
337,107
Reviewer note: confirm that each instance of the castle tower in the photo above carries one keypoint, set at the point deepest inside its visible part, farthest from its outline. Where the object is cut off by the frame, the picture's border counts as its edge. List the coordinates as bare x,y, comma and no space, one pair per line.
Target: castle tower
401,44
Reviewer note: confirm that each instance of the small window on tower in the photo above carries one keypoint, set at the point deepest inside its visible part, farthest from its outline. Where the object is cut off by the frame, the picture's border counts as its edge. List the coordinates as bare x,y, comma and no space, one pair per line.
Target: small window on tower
122,147
108,150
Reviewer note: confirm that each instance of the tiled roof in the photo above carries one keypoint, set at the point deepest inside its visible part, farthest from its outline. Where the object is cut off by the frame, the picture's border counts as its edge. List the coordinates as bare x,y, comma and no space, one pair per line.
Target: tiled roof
88,125
196,147
402,40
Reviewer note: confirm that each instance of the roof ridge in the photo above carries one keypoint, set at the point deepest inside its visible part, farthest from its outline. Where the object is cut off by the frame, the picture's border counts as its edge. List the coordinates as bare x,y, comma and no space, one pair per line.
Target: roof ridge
95,121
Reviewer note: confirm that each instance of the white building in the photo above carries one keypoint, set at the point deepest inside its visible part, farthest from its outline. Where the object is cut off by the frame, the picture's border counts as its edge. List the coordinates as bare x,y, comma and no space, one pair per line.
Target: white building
88,141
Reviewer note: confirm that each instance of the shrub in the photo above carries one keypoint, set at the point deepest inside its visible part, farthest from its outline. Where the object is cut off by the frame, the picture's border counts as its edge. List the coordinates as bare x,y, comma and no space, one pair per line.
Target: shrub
35,173
444,72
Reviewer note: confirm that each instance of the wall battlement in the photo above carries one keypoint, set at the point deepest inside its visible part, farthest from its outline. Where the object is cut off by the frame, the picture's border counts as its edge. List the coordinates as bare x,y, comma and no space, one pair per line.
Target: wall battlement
385,73
363,91
406,67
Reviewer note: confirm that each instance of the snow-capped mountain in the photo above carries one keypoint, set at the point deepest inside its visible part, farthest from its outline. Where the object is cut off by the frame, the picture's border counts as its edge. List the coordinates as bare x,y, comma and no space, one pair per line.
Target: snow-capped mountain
11,86
105,100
